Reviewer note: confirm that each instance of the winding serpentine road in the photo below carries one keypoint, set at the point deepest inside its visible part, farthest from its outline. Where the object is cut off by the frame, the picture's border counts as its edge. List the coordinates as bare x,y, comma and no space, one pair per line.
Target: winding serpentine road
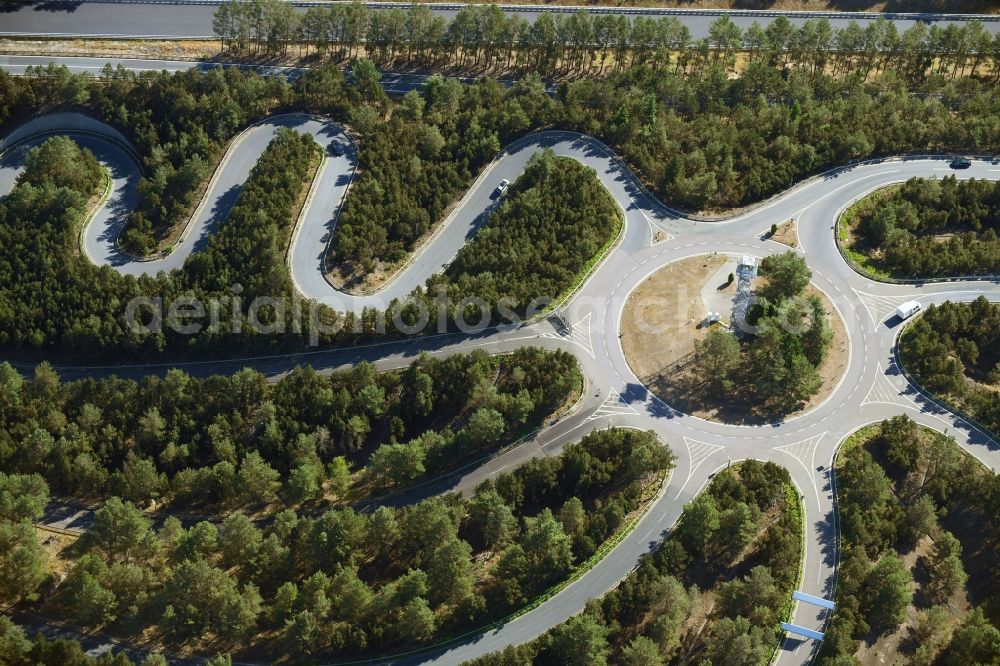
872,387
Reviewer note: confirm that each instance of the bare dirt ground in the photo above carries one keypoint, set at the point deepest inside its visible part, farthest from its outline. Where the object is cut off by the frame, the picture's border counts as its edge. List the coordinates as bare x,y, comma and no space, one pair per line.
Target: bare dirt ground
353,280
660,325
787,234
660,321
56,544
837,354
111,48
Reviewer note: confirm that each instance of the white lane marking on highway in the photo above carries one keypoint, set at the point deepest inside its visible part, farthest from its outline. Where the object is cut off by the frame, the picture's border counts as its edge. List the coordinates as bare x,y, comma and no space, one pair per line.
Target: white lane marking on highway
653,227
803,210
578,334
698,452
804,451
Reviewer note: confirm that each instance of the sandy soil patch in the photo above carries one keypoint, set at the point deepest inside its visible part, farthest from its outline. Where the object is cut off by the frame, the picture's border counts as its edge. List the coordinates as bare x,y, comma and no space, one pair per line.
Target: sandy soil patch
659,324
113,48
837,353
56,544
353,280
787,234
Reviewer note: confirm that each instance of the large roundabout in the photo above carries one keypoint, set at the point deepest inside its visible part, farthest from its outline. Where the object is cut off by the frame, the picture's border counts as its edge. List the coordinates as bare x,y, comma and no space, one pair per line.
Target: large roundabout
870,387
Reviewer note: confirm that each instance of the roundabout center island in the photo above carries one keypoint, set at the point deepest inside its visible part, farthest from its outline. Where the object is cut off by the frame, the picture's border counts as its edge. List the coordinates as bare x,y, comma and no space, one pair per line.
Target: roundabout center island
721,338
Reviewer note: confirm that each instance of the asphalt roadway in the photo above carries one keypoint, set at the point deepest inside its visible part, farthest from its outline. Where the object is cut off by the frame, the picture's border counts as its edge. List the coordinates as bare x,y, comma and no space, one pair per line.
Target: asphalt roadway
172,19
872,387
394,83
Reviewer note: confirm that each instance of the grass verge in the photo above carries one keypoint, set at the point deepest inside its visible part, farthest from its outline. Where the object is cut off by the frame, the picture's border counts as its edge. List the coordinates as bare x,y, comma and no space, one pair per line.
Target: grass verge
101,199
795,509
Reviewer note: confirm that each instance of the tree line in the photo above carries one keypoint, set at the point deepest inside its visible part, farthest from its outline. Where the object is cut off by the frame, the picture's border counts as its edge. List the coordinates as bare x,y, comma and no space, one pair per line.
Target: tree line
239,441
62,163
483,37
953,350
342,582
931,228
897,485
180,125
733,542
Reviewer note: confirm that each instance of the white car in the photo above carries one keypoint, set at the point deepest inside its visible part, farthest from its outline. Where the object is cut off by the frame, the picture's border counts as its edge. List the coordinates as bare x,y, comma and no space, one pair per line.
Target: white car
502,187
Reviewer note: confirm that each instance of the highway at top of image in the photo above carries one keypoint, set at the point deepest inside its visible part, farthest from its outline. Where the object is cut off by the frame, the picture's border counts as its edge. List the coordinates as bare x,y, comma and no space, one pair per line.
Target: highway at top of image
872,388
187,19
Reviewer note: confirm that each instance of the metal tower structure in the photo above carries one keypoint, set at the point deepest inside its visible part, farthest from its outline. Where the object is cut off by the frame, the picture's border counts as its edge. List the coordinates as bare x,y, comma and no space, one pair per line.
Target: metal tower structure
746,271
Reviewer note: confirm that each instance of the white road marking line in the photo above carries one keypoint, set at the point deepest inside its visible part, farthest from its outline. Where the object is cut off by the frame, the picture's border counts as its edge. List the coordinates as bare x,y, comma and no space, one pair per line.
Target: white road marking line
698,452
803,450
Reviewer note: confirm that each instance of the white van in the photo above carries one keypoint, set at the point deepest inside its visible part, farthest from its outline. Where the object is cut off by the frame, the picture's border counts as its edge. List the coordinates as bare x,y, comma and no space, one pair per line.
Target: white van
907,309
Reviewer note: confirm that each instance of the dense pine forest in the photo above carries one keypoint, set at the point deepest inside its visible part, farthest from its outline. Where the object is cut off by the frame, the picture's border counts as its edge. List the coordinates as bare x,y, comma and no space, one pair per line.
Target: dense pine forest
73,304
342,582
930,228
236,515
551,224
700,139
953,350
917,517
725,563
239,441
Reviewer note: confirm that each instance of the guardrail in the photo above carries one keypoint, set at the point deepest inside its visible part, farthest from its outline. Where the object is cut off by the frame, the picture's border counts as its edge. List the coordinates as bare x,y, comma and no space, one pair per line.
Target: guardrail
64,130
653,11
